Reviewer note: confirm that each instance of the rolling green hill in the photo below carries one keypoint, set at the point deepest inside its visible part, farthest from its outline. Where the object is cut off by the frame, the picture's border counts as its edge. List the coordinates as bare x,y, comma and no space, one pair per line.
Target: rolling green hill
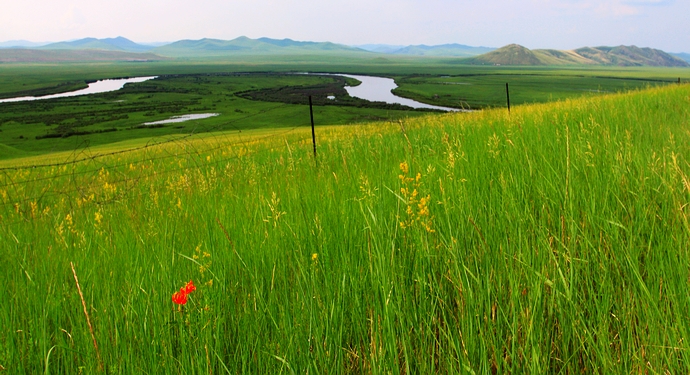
380,48
107,44
630,56
20,44
20,55
457,50
558,57
246,46
512,54
684,56
515,54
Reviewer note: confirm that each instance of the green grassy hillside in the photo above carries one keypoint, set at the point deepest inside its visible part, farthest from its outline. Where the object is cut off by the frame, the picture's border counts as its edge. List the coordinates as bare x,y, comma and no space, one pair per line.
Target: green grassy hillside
550,240
21,55
557,57
512,54
245,46
631,56
109,44
684,56
457,50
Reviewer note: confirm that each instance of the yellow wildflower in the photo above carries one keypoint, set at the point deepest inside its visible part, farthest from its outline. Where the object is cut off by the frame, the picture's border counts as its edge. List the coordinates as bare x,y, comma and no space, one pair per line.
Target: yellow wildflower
404,168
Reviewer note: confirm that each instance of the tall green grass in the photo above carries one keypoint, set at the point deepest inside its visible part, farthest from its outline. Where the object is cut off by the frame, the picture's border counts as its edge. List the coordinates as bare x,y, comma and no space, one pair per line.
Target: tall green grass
550,240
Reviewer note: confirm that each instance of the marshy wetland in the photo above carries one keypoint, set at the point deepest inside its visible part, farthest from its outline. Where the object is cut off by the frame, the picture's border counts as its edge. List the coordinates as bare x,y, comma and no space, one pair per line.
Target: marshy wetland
256,100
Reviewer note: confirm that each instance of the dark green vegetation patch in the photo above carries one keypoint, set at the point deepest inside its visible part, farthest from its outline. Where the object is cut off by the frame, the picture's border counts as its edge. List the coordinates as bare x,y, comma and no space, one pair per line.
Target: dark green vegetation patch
330,90
256,99
478,91
243,101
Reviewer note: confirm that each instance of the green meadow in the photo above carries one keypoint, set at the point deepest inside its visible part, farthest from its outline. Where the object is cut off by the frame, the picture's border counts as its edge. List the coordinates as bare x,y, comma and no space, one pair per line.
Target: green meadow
263,92
552,239
44,126
488,90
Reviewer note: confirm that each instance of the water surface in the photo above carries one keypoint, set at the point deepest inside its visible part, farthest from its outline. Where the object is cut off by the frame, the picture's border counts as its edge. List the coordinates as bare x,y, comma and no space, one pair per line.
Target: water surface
183,118
97,87
379,89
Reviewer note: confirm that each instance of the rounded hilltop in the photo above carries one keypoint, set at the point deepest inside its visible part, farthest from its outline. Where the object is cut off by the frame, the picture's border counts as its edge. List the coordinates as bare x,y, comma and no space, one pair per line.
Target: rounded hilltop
516,55
512,54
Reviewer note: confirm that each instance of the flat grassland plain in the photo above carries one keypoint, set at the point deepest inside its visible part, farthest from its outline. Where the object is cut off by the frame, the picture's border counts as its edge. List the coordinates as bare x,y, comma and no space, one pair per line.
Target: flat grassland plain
553,239
258,93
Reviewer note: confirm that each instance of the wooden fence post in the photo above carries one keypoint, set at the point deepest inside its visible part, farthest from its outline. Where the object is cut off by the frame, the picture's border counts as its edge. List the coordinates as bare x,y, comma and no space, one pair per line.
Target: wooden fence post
508,97
313,134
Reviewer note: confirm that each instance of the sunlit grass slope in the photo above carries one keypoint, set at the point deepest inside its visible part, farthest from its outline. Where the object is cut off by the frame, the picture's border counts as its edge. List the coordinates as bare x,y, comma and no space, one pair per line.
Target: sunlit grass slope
551,240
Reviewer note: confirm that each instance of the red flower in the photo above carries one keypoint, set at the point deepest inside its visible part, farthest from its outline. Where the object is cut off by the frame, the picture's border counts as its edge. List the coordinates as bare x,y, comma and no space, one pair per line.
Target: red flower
189,287
180,297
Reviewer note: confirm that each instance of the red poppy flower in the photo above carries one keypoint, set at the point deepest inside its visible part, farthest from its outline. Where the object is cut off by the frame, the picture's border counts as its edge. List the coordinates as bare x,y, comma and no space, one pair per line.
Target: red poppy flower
189,287
180,297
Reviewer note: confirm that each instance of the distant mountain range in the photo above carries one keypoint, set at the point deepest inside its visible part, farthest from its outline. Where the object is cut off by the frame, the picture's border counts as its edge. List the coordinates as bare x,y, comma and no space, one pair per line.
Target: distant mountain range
25,55
247,46
123,49
20,44
108,44
447,50
515,54
684,56
379,48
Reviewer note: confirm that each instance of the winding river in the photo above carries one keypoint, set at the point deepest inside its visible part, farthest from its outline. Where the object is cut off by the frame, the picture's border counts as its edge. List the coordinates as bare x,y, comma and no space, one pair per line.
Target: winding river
379,89
375,89
97,87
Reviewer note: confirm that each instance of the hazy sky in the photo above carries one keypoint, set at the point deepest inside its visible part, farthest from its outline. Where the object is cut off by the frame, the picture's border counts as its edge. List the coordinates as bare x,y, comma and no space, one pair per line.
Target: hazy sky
560,24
